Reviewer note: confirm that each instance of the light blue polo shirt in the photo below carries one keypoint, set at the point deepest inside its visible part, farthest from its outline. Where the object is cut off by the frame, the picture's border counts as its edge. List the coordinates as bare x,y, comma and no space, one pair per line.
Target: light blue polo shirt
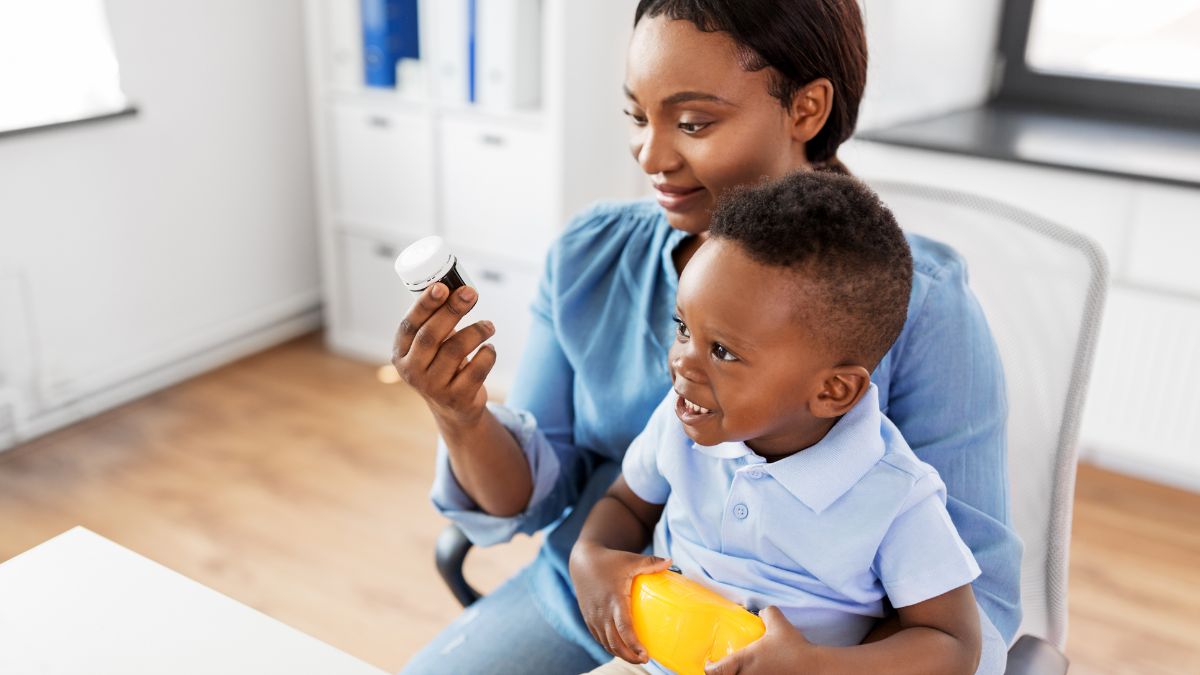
825,534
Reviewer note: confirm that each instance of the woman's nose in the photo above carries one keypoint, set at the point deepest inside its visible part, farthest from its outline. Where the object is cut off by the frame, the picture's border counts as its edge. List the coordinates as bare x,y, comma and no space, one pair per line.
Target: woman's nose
654,153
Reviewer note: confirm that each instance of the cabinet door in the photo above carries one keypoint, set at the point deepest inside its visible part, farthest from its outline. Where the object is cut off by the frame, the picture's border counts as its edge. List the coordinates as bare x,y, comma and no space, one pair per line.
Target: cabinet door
497,187
1164,238
381,168
374,298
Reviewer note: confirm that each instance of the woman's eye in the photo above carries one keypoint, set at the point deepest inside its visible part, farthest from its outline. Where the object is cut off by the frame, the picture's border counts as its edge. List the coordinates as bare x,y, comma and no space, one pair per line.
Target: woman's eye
638,120
681,329
722,354
693,127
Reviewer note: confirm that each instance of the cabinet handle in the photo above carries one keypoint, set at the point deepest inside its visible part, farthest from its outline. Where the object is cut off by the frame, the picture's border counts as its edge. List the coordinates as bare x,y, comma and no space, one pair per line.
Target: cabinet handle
492,139
379,121
492,275
385,251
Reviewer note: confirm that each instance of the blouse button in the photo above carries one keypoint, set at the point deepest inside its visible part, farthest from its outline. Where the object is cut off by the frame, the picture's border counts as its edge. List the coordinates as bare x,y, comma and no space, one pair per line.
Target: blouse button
741,511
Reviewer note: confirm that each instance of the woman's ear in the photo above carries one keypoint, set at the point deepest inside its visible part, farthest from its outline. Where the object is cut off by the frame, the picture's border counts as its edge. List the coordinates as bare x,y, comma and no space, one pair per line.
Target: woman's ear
810,108
843,387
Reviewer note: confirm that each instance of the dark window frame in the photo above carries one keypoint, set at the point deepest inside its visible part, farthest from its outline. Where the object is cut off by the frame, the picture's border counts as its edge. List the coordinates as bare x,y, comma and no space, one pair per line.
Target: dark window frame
1140,100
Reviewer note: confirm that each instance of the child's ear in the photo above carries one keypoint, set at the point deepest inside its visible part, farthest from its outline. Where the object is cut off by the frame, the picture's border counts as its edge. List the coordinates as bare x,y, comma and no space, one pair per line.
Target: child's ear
843,387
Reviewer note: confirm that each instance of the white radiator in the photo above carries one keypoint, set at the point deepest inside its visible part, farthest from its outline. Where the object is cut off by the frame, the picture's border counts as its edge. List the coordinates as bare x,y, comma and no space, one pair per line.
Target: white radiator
1143,409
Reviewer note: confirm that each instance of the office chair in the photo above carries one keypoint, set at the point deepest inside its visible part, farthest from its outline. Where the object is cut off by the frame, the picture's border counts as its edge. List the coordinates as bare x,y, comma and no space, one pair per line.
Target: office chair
1042,288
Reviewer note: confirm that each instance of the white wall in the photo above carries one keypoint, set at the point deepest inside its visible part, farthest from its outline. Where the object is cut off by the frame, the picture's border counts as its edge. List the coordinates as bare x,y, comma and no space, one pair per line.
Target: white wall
927,57
143,244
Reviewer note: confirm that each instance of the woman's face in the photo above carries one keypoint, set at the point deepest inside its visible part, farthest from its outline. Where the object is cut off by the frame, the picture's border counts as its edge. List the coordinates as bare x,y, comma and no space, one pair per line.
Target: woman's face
700,123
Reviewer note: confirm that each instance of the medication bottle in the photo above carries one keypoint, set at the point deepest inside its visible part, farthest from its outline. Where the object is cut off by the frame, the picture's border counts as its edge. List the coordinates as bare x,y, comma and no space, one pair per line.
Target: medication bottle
428,261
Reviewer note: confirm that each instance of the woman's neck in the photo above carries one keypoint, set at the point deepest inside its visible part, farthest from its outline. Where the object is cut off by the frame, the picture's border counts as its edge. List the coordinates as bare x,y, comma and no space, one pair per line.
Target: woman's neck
687,248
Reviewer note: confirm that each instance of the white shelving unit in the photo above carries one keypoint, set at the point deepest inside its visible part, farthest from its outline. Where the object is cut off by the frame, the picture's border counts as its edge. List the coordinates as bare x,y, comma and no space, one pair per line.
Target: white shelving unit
498,184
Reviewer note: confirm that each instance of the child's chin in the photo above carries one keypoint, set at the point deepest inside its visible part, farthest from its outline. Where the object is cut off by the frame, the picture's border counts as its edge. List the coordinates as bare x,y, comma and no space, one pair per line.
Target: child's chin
702,438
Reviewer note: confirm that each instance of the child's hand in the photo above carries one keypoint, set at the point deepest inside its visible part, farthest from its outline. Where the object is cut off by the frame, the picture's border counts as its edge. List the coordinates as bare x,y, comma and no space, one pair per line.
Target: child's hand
782,649
603,580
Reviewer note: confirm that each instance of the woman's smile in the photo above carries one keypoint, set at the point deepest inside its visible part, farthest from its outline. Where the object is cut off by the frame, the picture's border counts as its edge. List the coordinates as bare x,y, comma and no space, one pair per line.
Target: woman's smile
678,198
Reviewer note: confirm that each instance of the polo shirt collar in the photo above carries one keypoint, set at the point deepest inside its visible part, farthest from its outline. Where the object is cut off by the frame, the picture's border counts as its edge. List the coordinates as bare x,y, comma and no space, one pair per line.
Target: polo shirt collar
818,476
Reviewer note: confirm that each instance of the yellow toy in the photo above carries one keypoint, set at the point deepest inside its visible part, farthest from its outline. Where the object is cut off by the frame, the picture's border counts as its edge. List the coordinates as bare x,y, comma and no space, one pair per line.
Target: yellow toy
683,625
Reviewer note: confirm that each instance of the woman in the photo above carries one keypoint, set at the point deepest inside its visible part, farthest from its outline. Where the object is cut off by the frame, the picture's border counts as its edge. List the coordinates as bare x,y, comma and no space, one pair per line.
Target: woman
720,93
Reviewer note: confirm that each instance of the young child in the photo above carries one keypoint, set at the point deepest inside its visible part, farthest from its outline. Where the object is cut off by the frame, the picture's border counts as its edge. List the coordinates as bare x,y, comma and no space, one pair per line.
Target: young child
769,473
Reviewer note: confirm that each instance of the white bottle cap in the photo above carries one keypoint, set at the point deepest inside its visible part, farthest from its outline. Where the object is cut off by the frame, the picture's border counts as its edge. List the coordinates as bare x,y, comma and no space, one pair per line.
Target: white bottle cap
424,262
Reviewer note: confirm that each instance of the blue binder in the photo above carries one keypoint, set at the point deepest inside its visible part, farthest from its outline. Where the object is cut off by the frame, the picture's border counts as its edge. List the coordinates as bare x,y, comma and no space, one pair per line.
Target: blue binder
472,19
390,33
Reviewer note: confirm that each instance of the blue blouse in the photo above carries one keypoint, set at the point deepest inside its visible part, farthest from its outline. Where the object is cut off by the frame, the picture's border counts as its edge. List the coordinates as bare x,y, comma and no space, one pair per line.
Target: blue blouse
595,368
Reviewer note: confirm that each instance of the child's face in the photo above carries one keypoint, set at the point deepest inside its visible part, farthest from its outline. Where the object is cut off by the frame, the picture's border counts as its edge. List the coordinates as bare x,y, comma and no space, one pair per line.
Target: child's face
743,353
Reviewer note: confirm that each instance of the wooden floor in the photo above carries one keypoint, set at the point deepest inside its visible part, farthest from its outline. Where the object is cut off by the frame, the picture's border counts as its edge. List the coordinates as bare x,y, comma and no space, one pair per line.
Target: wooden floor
296,483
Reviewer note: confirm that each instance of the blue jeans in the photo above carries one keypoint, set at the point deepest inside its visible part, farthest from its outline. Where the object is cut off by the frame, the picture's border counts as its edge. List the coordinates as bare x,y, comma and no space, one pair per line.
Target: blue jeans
503,633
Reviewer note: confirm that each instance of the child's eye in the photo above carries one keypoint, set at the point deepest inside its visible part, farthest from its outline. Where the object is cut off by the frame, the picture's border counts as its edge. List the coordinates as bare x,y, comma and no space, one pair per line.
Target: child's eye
722,354
638,120
693,127
681,329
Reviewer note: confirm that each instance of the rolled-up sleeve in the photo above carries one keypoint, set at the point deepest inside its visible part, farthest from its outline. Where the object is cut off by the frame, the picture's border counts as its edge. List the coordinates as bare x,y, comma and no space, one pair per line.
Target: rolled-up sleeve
483,528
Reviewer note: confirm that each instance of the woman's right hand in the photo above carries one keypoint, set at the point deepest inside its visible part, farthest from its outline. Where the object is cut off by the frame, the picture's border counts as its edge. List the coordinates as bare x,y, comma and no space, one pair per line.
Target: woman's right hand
603,579
432,358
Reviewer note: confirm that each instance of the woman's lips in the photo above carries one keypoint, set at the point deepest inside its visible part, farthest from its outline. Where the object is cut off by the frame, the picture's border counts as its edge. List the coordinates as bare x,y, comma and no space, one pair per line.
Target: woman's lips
676,198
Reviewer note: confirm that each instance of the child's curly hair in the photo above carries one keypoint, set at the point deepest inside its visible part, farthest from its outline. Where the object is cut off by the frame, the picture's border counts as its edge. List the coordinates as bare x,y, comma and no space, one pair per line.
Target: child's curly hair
855,265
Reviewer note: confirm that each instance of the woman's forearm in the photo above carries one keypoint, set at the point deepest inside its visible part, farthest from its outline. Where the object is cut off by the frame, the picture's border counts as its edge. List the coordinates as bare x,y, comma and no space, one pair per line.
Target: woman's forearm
488,464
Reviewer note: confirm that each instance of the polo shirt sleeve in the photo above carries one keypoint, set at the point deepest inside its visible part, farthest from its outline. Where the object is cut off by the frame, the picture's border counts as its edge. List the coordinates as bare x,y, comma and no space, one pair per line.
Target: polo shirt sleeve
922,556
641,466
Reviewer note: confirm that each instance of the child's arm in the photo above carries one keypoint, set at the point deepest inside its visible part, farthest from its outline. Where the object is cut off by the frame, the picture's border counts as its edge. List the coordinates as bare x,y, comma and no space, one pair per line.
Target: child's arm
939,635
604,562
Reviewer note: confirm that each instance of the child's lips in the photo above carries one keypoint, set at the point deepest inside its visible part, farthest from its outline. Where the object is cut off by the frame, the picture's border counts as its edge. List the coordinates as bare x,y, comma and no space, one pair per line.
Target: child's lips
690,412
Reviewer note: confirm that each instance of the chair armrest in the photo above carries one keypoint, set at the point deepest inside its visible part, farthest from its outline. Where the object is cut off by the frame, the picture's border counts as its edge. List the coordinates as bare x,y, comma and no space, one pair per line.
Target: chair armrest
451,551
1034,656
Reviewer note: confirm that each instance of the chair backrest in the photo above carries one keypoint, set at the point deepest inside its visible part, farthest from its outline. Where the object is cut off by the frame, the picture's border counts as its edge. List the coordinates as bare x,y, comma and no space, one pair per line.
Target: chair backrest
1042,287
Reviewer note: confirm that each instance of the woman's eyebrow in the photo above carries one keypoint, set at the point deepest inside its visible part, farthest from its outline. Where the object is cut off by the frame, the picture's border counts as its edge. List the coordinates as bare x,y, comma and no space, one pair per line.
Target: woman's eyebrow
683,97
689,96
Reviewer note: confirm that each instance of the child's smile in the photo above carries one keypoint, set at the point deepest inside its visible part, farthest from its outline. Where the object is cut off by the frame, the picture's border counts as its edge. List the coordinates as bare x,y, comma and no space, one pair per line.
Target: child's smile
690,413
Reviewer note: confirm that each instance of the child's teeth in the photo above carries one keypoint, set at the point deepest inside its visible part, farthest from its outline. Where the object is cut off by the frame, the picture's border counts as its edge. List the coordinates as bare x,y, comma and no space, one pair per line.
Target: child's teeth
695,408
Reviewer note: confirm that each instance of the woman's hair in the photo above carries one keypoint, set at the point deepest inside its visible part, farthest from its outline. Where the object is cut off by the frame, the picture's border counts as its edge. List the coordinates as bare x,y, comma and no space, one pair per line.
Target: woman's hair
801,41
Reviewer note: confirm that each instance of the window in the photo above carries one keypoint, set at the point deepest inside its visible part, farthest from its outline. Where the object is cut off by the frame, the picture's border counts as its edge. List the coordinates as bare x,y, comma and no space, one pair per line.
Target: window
57,63
1127,57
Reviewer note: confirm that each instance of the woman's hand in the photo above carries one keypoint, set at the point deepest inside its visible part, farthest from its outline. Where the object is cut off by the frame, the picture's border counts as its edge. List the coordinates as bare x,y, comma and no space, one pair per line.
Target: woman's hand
432,360
782,649
603,580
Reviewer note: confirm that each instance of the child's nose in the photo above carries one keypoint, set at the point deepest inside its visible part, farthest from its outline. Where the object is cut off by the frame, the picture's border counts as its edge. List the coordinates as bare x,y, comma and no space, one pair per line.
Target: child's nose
683,364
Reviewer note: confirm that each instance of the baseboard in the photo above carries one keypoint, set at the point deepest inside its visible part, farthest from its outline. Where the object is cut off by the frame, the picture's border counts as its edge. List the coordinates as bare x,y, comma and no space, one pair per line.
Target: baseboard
171,367
1174,475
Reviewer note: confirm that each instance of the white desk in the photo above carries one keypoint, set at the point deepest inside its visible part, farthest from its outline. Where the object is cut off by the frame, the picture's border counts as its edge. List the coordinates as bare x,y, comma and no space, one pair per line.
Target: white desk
80,604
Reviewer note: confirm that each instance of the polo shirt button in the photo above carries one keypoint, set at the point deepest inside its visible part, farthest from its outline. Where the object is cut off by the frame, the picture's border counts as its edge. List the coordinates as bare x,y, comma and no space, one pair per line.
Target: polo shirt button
755,473
741,511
